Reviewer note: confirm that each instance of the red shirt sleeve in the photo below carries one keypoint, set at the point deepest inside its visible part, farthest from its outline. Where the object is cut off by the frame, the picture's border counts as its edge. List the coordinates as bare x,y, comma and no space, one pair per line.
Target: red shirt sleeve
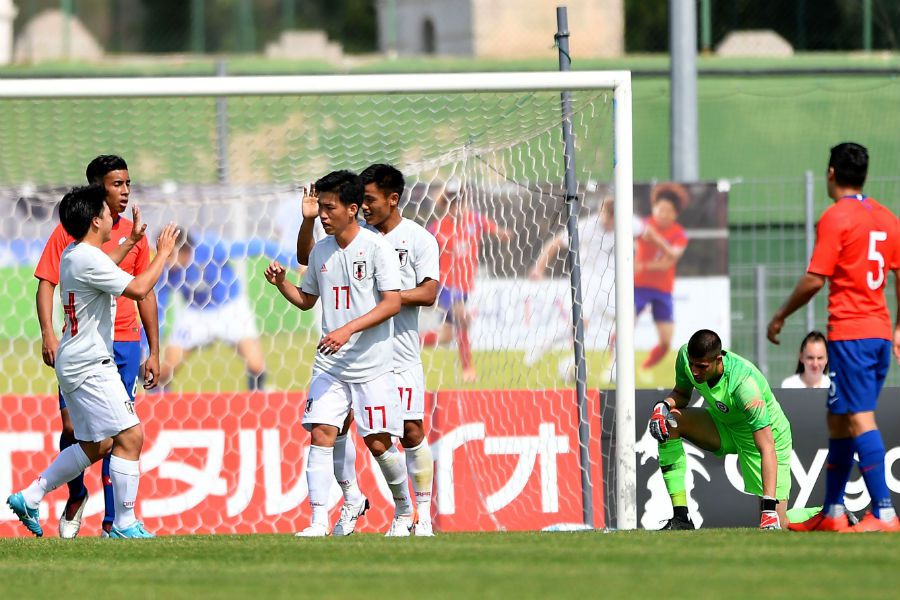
142,258
828,245
48,265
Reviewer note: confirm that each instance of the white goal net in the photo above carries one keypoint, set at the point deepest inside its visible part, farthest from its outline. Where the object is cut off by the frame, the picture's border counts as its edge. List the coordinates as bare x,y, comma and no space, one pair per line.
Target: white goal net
226,158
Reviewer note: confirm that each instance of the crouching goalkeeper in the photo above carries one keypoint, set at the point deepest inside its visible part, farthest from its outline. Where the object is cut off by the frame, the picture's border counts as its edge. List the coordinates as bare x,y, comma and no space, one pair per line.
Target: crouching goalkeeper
741,417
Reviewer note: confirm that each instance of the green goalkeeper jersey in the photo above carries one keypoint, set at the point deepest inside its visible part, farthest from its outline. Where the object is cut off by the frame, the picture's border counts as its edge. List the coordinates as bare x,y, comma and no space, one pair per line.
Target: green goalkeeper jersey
741,400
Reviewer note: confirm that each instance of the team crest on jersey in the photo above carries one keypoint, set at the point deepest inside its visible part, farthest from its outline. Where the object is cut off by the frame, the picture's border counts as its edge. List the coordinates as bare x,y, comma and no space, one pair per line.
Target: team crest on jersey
122,241
721,406
309,402
359,270
403,254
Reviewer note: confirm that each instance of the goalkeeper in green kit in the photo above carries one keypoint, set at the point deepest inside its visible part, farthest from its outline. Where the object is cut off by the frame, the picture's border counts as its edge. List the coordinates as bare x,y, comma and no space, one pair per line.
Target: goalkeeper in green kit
741,417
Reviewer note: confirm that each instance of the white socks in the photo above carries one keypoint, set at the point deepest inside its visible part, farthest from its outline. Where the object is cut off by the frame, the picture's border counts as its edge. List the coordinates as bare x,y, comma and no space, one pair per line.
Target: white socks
67,465
344,460
319,475
394,470
124,475
420,466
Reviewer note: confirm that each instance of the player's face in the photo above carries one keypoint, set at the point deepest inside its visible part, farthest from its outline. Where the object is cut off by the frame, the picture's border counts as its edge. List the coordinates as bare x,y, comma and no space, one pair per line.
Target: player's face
664,213
814,358
377,206
118,187
334,214
104,223
704,369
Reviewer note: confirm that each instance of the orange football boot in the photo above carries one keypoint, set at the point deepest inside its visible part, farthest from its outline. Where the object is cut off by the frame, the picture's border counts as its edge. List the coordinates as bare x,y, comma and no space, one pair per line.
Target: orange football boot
821,522
872,523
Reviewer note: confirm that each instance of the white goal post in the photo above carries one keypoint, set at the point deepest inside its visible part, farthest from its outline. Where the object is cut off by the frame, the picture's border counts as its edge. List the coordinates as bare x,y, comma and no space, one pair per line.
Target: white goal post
619,82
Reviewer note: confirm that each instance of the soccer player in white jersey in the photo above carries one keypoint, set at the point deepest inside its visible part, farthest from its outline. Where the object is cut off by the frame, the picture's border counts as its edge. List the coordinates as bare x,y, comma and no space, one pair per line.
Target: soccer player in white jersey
418,255
102,413
355,272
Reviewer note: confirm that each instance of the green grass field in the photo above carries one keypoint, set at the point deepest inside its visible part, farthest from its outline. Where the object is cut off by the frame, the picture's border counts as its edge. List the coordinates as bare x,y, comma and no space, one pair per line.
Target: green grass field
711,564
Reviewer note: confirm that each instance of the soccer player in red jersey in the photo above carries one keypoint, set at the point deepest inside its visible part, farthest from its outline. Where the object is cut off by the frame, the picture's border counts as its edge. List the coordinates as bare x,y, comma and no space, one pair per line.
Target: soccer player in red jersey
657,252
857,242
459,233
127,247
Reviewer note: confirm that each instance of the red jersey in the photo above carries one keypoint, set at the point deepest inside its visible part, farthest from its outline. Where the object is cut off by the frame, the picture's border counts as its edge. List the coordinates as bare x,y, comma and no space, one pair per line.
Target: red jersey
857,241
646,251
135,263
459,241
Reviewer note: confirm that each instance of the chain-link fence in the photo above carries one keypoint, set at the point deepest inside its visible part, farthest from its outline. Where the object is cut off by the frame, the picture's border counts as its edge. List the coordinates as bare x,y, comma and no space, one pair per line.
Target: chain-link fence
770,237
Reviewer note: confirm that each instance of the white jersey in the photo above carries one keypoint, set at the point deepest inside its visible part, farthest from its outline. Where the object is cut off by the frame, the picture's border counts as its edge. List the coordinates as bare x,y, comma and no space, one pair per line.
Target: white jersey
417,254
349,283
89,282
794,382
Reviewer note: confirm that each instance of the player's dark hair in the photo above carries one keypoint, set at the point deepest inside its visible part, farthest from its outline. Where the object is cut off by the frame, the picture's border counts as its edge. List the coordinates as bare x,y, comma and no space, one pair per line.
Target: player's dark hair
79,207
812,336
103,164
673,193
386,178
346,184
850,163
704,344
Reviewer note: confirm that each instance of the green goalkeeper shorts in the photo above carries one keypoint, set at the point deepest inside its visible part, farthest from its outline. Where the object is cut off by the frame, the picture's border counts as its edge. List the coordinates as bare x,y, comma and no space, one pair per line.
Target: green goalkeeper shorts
742,444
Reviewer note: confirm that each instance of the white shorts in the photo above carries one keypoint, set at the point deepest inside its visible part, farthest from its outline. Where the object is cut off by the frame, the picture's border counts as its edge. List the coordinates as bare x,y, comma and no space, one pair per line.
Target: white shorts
375,404
100,407
230,323
411,385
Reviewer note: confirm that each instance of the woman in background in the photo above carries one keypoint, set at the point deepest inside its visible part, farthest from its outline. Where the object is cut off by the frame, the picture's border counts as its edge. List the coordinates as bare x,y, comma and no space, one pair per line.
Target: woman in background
811,364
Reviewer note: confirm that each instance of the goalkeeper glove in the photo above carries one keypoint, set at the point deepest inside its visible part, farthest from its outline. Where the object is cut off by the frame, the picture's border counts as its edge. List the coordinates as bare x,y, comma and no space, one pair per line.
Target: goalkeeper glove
768,517
661,420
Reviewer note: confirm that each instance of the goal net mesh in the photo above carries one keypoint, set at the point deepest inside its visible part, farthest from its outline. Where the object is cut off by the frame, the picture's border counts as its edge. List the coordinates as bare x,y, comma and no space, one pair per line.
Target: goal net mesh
221,458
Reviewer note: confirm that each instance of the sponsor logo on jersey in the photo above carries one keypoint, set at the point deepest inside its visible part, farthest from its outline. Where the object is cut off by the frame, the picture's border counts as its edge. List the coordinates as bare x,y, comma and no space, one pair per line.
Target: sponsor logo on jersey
403,253
721,406
309,402
324,269
359,270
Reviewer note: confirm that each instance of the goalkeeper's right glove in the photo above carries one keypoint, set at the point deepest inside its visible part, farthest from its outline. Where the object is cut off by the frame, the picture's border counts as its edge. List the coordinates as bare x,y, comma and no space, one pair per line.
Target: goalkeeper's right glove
768,516
660,421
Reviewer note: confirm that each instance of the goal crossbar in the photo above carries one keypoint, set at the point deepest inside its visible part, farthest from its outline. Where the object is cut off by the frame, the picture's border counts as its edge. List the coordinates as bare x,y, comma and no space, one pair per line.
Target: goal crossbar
312,85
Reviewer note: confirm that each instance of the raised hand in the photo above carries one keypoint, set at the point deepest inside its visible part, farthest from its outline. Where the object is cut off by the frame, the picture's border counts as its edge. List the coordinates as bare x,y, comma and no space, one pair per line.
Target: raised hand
275,273
310,203
140,228
165,243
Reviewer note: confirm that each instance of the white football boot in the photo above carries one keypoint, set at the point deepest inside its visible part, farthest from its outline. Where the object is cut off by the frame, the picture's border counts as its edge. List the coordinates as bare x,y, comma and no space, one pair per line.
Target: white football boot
401,526
68,529
423,529
349,515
